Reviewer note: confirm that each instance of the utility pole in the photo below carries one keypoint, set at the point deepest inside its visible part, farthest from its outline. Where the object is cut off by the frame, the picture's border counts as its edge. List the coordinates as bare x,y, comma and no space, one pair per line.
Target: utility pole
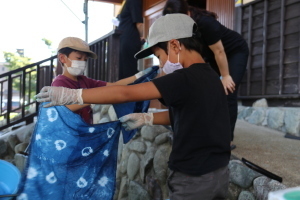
85,22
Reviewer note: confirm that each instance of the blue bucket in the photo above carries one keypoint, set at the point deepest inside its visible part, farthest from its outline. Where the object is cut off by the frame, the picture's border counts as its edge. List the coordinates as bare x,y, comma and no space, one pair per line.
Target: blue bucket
10,177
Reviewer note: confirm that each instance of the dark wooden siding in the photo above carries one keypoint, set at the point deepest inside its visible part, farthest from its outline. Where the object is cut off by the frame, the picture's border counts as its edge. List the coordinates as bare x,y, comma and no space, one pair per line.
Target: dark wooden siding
272,30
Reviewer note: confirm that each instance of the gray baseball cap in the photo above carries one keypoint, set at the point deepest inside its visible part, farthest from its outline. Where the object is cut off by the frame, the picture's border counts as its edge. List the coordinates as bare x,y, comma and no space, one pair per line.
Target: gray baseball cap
166,28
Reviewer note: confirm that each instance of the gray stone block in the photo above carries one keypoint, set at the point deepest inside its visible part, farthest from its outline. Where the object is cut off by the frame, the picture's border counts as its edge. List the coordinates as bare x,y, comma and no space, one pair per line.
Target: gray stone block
245,195
257,116
275,118
137,192
112,114
292,121
162,138
136,146
150,132
133,166
247,112
160,162
260,103
241,175
146,162
263,185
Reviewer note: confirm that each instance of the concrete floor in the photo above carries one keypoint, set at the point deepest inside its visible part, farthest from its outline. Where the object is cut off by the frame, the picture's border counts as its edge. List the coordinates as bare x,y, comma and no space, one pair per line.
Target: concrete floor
270,150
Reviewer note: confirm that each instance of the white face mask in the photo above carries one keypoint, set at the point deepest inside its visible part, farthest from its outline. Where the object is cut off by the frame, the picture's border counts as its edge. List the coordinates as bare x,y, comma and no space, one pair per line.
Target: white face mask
171,67
77,67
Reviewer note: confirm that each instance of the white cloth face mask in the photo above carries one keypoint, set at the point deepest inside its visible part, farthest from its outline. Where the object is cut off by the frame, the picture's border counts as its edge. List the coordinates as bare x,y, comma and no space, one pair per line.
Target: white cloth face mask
170,67
77,67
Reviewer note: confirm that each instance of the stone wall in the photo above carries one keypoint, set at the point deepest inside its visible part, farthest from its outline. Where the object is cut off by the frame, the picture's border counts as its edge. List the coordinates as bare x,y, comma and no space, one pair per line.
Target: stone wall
142,170
283,119
142,163
13,145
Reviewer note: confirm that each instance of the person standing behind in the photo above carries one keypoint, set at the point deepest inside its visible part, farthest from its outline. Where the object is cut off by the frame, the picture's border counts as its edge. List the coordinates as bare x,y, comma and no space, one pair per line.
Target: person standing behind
224,49
131,27
73,53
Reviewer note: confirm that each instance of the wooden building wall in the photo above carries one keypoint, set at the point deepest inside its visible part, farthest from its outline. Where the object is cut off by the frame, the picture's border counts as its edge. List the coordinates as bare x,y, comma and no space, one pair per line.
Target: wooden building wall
272,30
224,10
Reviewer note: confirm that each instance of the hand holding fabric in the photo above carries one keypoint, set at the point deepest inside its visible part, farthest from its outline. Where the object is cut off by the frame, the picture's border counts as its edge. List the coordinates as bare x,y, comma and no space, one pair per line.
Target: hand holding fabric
59,96
142,73
136,120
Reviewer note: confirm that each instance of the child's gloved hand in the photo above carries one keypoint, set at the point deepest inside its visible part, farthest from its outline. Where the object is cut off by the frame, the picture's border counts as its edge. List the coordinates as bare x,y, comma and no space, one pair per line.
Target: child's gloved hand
142,73
59,96
136,120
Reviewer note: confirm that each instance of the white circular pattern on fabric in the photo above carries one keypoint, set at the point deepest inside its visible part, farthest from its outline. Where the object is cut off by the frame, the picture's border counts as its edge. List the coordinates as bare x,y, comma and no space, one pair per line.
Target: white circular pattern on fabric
87,151
60,144
50,178
103,181
31,173
91,129
106,153
38,137
52,114
22,196
110,132
81,183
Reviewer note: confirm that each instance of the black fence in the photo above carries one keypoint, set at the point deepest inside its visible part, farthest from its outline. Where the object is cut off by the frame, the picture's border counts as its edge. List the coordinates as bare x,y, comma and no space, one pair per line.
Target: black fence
106,67
24,83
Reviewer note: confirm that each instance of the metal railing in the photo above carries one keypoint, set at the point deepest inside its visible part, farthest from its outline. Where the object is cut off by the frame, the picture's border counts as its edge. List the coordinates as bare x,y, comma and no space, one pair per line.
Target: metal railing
106,67
27,81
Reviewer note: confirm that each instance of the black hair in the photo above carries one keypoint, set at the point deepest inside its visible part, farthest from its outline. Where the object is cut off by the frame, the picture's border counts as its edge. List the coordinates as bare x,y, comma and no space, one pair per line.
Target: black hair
181,6
191,43
197,13
175,6
68,50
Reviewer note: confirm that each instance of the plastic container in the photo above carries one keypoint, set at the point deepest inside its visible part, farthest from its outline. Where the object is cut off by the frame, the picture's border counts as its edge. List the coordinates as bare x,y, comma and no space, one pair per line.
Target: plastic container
9,179
286,194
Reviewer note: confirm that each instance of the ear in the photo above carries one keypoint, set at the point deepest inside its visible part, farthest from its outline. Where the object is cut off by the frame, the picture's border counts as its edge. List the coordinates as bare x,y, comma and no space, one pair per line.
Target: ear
175,46
62,58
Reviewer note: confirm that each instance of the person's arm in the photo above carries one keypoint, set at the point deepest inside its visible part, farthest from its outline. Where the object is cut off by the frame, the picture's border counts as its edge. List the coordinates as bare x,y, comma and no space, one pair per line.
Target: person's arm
100,95
137,120
131,79
124,81
221,59
161,118
140,28
120,94
76,107
62,83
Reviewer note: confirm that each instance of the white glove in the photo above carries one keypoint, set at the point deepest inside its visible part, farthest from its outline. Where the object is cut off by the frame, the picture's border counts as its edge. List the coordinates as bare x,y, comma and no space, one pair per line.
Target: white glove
136,120
59,96
142,73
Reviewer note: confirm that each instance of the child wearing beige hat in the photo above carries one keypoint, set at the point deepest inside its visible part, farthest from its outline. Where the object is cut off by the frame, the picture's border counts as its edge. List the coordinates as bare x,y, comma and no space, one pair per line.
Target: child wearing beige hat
73,53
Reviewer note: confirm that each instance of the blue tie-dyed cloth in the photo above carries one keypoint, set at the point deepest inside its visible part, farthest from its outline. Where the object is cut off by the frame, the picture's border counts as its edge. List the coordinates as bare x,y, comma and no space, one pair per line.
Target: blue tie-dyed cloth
70,159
